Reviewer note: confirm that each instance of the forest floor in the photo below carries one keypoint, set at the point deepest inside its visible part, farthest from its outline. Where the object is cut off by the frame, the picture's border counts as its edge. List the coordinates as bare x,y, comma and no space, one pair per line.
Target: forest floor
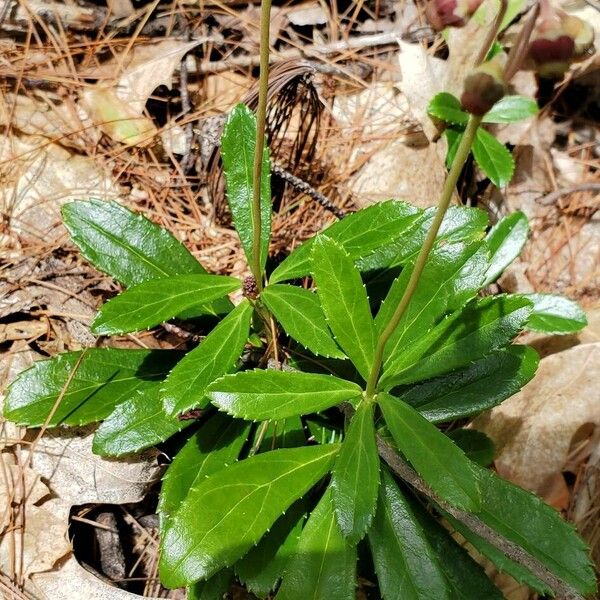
125,101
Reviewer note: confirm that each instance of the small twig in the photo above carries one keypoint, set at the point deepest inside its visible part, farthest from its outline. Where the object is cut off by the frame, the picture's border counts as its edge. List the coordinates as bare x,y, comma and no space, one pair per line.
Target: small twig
186,107
552,197
510,550
315,51
306,188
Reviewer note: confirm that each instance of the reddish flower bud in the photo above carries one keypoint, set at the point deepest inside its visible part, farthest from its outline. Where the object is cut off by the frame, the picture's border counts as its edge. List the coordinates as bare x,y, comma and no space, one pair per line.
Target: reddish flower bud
558,40
445,13
483,87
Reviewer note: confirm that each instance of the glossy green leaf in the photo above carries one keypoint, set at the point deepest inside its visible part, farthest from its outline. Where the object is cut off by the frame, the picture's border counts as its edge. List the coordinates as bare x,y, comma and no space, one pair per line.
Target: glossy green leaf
481,385
359,234
263,566
555,315
225,515
214,446
344,301
216,355
524,519
324,565
285,433
300,314
460,224
124,244
493,158
355,477
447,107
405,563
152,302
475,444
511,109
499,559
137,423
104,378
238,144
465,336
453,138
272,395
467,579
452,276
505,242
214,588
434,456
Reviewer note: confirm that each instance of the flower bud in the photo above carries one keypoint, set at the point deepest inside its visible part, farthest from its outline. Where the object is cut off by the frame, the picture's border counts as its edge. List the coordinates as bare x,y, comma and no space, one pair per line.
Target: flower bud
445,13
483,87
558,40
582,34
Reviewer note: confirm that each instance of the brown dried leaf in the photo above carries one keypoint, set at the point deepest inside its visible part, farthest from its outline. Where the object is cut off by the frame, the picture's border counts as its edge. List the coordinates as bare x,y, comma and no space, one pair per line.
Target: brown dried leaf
38,177
533,430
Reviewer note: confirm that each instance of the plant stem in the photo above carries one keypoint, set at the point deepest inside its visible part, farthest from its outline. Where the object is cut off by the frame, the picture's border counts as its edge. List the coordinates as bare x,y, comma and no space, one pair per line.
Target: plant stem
261,117
492,33
459,160
511,550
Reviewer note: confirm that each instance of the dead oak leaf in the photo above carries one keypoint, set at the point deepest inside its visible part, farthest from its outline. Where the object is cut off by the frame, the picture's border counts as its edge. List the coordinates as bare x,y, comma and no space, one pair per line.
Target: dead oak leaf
533,430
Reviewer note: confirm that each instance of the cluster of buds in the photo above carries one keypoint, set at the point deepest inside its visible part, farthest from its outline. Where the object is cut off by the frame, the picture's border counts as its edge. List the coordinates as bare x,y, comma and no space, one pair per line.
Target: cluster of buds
484,86
557,41
450,13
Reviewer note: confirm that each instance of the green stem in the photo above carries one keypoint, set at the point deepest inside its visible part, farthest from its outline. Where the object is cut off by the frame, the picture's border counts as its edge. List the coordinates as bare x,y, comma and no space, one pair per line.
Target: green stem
261,117
457,165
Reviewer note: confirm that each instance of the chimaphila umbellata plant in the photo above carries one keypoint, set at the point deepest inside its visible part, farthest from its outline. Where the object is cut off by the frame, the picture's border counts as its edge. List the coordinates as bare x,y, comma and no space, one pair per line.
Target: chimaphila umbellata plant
313,411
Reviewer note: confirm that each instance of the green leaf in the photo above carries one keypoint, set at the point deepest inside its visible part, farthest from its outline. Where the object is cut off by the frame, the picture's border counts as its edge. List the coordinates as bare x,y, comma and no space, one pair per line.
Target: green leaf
238,144
103,379
493,158
475,444
522,518
324,565
215,445
447,107
225,515
460,224
481,385
465,336
359,234
355,477
216,355
435,457
499,559
137,423
272,395
152,302
300,314
214,588
345,303
286,433
126,245
263,566
511,109
405,563
505,242
467,579
453,138
452,276
555,315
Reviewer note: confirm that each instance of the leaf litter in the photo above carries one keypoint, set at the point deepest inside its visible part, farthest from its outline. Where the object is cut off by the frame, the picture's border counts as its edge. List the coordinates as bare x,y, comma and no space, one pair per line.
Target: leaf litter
110,122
